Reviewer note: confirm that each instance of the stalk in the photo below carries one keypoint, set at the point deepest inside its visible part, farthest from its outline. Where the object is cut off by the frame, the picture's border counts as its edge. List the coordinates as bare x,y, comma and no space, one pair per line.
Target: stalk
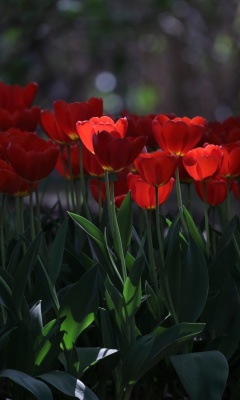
71,178
65,177
32,226
152,267
82,183
206,218
159,228
179,199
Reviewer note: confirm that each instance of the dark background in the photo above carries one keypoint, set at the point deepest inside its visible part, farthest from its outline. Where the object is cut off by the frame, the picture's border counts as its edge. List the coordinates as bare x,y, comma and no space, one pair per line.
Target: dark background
158,56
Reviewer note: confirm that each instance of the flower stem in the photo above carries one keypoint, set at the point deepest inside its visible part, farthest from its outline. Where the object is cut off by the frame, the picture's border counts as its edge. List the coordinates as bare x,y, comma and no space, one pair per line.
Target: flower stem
179,198
159,228
99,200
32,226
152,267
82,182
71,178
206,218
2,231
228,200
39,227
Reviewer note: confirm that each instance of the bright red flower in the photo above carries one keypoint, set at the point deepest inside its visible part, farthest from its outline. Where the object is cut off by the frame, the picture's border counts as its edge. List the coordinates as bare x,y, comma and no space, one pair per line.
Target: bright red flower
231,160
31,157
178,135
62,165
52,129
216,190
14,97
67,114
24,119
11,183
203,162
90,163
144,194
86,129
115,153
156,168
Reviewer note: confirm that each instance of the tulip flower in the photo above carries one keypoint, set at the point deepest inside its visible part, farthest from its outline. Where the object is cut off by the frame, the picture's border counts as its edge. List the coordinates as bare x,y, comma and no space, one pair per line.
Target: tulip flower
156,168
31,157
203,162
15,97
120,191
177,135
144,194
62,165
24,119
232,129
67,114
231,161
90,163
115,153
11,183
86,129
52,128
216,190
141,126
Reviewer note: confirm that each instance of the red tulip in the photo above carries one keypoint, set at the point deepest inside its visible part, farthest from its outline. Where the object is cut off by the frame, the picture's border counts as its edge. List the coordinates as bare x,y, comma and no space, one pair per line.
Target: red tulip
178,135
15,97
216,190
52,129
6,138
31,157
144,194
90,163
115,153
235,188
232,129
203,162
231,161
24,119
156,168
86,129
141,126
62,165
67,114
11,183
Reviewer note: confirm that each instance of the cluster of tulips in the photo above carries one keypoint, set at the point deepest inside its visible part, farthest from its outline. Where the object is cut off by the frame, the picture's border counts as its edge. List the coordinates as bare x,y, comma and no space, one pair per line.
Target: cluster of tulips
144,152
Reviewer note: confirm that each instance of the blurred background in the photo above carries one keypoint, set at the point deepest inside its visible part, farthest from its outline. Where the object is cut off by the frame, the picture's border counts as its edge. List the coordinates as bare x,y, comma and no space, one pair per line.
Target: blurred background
152,56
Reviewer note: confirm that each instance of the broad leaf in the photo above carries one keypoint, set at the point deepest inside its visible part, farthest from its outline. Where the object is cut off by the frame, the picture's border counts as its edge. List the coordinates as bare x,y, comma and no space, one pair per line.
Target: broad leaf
125,221
132,292
203,375
56,253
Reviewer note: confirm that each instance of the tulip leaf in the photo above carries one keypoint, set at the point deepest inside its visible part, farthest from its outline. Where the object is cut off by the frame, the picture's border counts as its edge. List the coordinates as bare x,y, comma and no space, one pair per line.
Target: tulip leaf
56,253
23,271
79,306
195,234
125,221
39,389
89,356
6,300
68,385
132,292
152,348
203,375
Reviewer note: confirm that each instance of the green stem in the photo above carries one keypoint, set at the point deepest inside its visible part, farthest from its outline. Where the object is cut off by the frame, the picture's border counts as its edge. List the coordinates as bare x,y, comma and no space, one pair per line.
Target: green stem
228,200
32,226
99,200
152,267
109,207
82,182
65,177
2,231
206,218
71,178
159,228
21,220
179,198
39,227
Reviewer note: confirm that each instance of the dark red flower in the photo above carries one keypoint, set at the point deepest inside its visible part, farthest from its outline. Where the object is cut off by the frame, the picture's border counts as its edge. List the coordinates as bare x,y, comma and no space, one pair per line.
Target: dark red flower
141,126
115,153
90,163
25,119
86,129
216,190
52,129
213,134
67,114
144,194
62,165
31,157
203,162
232,129
11,183
5,138
15,97
178,135
231,160
235,188
156,168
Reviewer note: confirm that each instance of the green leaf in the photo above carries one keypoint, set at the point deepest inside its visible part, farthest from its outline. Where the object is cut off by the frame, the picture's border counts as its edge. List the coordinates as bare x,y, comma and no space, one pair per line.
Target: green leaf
6,300
193,285
152,348
56,253
125,221
79,306
23,271
89,356
203,375
36,320
39,389
68,385
132,292
195,234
